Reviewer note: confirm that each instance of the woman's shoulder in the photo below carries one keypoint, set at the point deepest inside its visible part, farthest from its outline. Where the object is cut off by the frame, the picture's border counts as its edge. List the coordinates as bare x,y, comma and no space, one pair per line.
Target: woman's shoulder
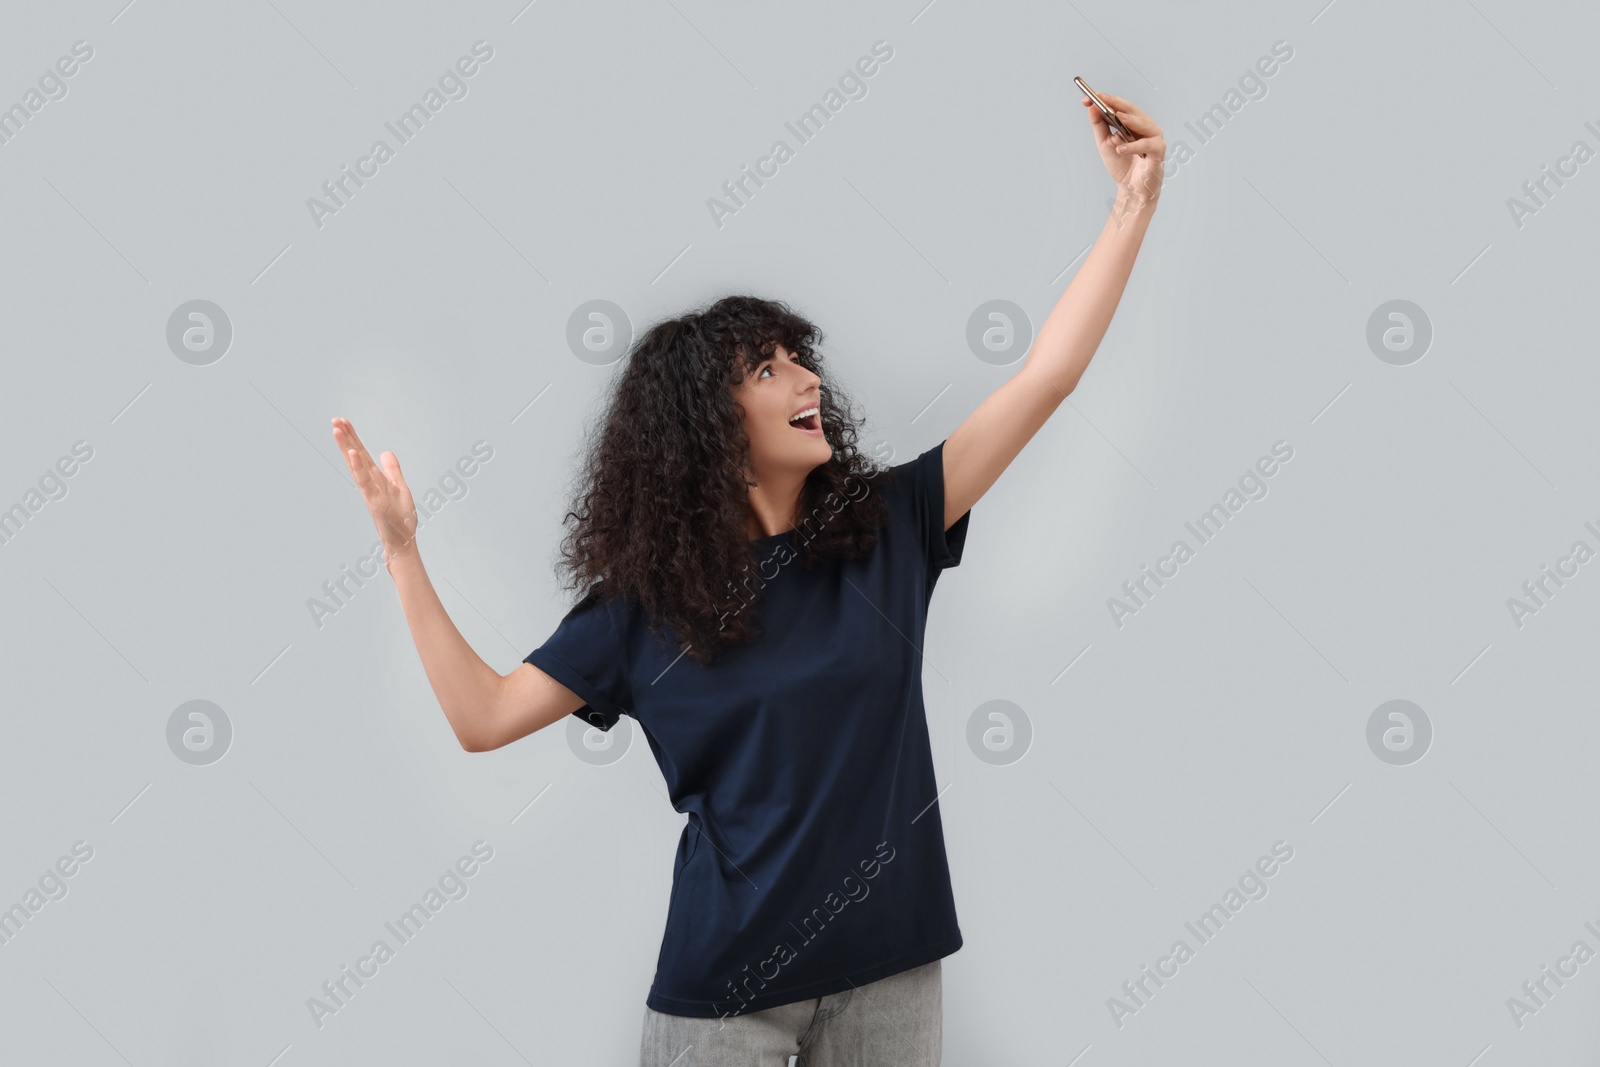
904,479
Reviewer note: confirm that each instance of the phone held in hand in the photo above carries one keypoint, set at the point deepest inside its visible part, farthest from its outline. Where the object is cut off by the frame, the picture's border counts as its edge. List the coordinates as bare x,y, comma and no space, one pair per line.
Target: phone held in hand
1112,122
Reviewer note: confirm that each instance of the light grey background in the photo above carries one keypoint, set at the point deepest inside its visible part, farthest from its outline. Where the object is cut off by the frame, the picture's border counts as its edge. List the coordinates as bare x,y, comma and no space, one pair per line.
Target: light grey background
432,310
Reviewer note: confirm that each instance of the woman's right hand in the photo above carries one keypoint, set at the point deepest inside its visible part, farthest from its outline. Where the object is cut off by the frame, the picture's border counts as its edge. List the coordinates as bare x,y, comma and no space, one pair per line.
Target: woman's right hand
385,491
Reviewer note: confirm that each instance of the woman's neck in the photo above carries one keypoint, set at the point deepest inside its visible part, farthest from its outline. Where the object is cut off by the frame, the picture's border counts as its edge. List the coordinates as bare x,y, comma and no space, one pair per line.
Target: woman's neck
772,505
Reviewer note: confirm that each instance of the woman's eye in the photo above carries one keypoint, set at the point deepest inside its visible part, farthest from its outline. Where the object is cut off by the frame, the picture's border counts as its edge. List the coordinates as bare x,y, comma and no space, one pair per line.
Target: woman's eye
763,370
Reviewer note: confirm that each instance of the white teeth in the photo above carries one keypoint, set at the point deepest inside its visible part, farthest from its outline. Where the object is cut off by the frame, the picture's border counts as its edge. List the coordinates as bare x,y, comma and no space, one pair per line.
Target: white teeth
803,414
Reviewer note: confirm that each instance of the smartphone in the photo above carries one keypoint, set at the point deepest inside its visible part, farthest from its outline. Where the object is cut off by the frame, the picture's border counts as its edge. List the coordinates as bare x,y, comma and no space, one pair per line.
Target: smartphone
1112,121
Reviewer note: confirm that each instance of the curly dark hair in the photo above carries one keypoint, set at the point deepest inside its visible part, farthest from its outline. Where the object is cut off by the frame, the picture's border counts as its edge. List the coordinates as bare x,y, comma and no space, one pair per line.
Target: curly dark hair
659,513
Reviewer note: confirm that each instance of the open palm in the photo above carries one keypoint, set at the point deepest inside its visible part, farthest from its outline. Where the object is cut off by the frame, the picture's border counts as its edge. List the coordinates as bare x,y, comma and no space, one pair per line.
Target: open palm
385,491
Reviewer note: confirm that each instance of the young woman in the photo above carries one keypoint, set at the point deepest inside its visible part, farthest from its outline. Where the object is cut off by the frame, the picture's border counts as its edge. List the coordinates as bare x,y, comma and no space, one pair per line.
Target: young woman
755,594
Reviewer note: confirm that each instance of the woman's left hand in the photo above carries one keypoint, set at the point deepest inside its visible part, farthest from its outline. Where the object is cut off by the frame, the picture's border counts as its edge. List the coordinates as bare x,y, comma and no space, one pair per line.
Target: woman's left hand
1136,166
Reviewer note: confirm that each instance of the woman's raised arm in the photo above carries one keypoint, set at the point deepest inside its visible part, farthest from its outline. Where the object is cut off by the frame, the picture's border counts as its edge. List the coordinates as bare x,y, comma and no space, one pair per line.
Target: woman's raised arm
486,709
984,445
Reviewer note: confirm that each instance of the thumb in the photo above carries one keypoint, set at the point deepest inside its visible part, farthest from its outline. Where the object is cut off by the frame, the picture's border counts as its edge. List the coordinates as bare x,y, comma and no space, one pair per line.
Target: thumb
391,467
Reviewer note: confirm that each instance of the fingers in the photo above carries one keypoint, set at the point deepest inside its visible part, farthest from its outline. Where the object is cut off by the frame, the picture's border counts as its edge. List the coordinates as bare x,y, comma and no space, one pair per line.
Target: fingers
383,490
358,466
1139,147
1135,122
367,479
1097,123
1119,104
1130,114
1094,112
345,440
1138,122
359,461
349,438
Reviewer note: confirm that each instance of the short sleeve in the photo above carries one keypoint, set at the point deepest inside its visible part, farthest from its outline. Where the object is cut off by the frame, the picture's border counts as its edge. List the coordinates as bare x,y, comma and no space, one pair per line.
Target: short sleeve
586,655
927,494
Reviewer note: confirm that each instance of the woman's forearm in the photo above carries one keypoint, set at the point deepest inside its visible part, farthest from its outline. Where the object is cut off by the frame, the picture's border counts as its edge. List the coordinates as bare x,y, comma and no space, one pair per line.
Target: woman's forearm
1069,337
466,686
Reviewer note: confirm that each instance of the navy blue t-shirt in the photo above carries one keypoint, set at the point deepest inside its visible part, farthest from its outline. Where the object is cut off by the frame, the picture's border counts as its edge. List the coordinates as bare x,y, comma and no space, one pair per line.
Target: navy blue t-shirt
813,859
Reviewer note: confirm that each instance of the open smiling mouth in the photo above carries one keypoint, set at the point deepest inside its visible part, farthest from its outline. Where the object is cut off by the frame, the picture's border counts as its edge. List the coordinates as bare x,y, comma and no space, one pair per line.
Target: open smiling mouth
809,423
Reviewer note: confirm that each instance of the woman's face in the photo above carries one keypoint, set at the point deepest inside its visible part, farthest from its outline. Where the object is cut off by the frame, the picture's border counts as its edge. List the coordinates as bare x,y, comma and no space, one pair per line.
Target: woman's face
773,393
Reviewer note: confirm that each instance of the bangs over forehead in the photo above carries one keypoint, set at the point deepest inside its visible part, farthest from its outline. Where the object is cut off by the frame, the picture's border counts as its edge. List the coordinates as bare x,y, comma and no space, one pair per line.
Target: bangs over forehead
751,354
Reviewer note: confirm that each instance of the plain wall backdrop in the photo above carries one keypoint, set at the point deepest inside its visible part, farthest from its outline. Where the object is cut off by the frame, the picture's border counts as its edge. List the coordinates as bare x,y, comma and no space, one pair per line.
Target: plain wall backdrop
1399,153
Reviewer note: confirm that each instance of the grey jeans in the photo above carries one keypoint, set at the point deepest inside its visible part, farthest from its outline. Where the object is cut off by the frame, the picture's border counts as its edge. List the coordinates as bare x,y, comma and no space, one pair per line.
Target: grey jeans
896,1021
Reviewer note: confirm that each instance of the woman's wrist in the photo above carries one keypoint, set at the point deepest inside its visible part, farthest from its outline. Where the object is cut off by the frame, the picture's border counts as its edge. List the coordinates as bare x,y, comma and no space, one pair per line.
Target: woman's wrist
1133,206
1131,201
401,557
